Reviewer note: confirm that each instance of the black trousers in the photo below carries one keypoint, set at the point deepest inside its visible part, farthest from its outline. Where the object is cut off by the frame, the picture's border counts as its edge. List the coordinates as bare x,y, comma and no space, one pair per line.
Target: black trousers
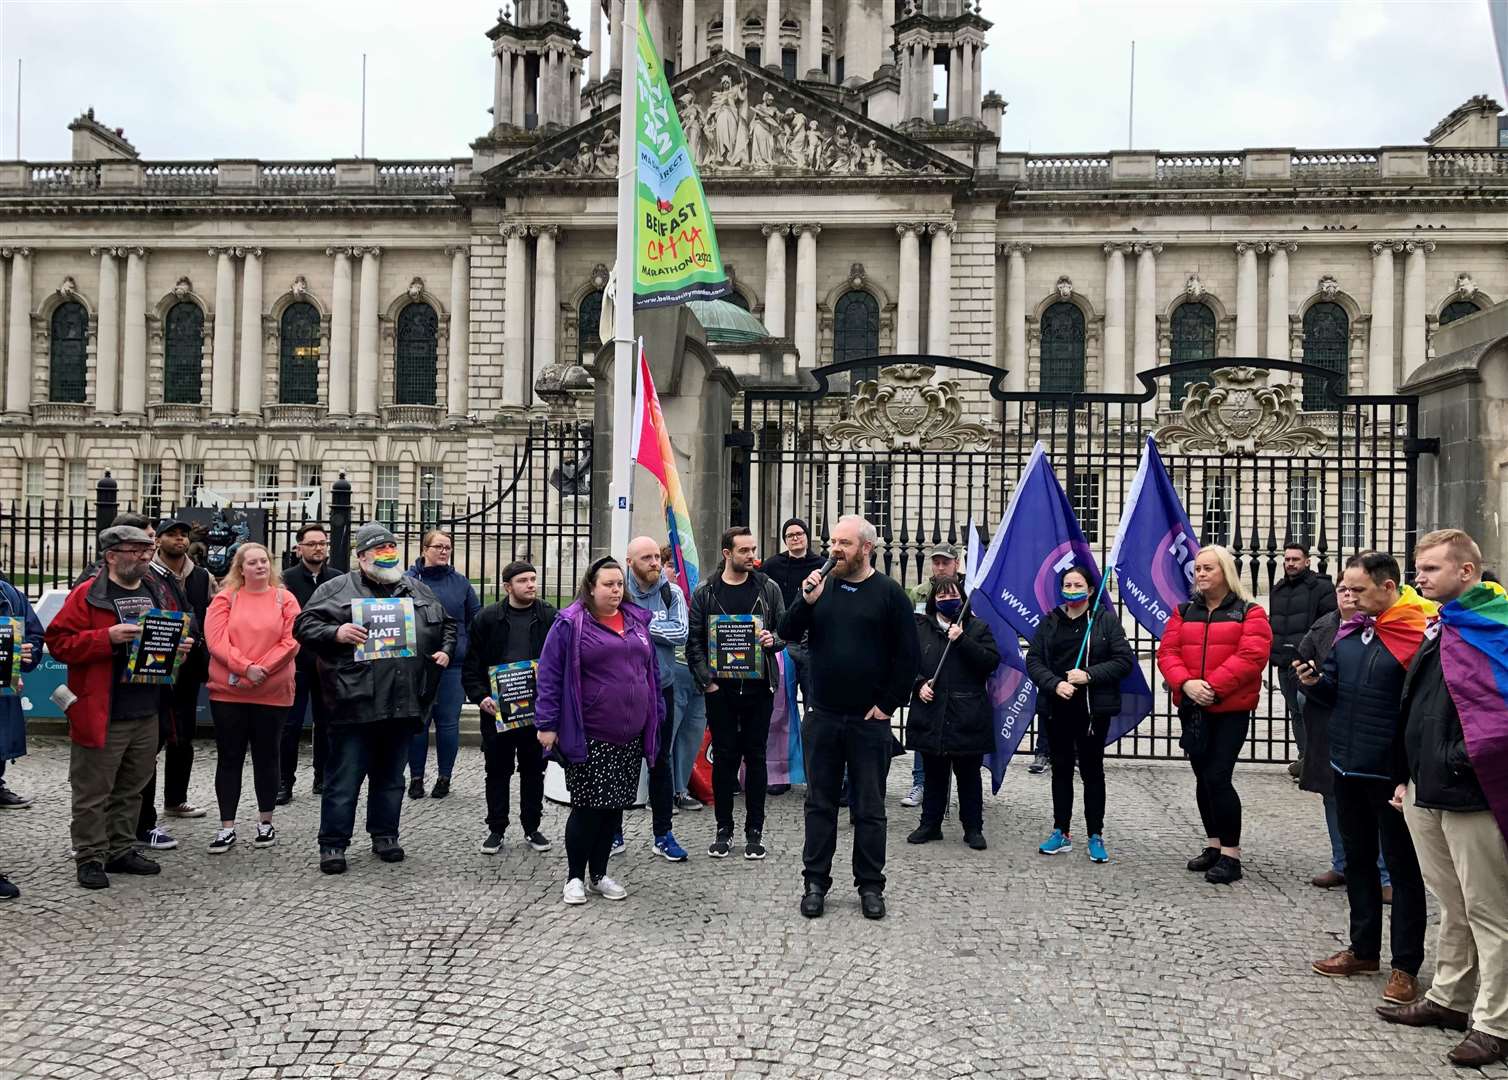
589,840
308,697
832,742
661,775
739,720
237,727
1074,740
176,734
1366,819
500,752
1214,772
939,769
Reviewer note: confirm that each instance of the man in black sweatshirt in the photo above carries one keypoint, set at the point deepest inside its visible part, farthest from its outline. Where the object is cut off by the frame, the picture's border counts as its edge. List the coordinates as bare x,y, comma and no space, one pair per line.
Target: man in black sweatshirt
864,657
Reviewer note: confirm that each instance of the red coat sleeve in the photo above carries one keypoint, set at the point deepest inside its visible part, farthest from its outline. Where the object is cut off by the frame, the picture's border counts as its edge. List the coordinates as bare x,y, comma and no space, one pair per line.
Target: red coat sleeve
1248,663
71,638
1170,656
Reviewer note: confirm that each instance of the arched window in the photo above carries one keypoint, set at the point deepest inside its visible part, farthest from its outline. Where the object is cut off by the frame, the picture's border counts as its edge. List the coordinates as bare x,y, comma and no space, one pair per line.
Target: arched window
737,299
417,355
1063,349
70,352
183,354
1327,344
856,331
1193,338
589,319
298,355
1458,309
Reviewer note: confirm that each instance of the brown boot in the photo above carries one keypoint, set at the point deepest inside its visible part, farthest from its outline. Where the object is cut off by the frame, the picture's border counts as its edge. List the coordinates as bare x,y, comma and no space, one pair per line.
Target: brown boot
1402,988
1344,964
1425,1013
1330,879
1478,1050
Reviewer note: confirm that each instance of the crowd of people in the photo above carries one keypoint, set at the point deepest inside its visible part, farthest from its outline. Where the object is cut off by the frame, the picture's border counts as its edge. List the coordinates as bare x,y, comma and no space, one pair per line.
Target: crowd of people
621,684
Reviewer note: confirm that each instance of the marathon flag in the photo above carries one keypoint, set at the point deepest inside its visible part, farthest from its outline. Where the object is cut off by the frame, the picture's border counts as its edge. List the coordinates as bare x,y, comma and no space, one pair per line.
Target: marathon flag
1154,549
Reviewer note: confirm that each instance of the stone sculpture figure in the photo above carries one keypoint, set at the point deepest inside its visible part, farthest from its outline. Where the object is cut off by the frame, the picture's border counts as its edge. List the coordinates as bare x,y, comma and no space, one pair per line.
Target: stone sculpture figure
694,122
731,128
765,133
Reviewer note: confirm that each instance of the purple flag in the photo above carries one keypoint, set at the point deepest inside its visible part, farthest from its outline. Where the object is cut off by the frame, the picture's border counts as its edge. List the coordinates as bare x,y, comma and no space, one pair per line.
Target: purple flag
1154,549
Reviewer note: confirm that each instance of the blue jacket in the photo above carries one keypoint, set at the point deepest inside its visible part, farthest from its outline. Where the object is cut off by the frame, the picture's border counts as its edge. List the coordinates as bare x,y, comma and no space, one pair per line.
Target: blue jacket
667,624
1362,684
13,604
457,597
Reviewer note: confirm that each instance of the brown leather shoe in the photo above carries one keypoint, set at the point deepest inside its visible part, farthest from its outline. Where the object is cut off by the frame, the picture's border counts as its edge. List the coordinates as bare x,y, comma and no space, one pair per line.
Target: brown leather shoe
1478,1050
1344,964
1425,1013
1330,879
1402,988
1387,894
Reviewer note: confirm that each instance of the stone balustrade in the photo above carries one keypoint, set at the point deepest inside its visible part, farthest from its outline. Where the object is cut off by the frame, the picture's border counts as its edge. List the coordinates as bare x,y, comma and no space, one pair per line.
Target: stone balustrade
232,177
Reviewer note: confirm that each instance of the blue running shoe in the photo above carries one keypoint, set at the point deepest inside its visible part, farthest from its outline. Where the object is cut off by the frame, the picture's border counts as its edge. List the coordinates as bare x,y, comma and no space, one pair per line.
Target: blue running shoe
1097,852
667,848
618,847
1056,844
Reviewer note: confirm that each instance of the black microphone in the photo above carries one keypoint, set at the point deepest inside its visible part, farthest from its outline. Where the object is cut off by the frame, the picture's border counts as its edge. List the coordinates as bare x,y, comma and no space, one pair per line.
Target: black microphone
827,568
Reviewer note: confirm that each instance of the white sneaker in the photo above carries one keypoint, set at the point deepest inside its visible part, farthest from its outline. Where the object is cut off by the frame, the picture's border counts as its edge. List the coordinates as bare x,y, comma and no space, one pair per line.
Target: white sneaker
609,889
574,892
266,835
913,797
223,841
160,839
186,810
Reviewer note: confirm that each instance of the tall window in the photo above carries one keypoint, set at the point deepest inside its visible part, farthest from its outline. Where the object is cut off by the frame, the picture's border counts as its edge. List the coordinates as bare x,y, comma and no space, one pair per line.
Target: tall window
150,476
1353,512
76,485
751,54
190,480
264,481
1063,348
1303,506
1085,498
70,351
856,331
1193,338
298,355
183,354
589,319
788,62
877,496
1327,343
308,474
387,491
417,355
1456,309
34,483
1215,527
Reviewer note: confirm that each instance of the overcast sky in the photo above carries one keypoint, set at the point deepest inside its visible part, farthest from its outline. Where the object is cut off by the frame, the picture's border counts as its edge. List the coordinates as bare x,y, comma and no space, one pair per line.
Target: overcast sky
270,80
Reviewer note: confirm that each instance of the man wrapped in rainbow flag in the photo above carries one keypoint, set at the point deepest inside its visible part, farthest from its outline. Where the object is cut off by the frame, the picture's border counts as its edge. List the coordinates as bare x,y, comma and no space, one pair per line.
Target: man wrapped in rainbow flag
1453,791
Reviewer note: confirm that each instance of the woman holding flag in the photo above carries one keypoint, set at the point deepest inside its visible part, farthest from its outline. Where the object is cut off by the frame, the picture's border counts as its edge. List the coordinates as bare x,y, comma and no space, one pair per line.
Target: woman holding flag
1078,660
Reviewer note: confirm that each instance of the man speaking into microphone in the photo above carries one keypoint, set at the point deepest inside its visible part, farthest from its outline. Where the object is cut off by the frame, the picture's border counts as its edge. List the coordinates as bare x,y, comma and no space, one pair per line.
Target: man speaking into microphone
864,657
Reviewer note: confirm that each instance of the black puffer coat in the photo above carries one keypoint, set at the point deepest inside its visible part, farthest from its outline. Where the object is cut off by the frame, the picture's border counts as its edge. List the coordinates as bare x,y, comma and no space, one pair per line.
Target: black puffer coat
1433,746
959,719
1295,605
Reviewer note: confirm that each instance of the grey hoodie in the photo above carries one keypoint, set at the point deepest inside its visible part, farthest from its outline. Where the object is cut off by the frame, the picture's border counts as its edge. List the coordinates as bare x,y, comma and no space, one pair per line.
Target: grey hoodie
668,623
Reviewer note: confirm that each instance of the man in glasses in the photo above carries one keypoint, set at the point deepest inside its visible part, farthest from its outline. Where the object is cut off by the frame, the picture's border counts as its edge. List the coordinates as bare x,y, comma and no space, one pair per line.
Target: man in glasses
312,570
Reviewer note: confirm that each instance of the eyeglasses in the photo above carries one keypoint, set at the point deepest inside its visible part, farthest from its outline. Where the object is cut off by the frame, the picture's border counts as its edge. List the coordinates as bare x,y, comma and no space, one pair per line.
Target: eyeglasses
438,547
314,543
795,534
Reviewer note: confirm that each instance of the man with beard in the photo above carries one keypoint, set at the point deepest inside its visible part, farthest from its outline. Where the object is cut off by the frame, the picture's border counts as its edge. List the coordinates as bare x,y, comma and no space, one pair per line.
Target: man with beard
864,654
377,703
312,570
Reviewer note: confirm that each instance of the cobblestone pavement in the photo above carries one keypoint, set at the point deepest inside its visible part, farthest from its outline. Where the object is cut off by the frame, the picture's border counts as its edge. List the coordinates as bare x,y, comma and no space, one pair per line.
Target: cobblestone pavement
994,964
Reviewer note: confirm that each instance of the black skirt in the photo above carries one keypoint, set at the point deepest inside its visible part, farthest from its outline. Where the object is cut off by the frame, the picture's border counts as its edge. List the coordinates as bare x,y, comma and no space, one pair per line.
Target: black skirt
609,777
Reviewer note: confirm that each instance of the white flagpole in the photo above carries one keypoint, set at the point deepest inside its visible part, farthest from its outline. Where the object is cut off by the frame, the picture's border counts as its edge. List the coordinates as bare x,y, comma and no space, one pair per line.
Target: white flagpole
623,306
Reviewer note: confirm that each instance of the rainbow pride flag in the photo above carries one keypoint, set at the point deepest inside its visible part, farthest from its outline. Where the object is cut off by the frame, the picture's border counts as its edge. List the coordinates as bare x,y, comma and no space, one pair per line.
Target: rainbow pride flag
1474,661
651,449
1400,628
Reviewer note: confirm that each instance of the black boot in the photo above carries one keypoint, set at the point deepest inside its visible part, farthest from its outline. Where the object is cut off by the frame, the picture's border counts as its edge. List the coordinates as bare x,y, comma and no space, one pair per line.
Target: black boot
1225,871
813,902
1204,860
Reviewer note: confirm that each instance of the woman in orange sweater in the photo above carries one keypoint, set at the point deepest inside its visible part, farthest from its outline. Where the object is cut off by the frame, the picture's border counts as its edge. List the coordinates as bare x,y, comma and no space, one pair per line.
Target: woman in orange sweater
249,628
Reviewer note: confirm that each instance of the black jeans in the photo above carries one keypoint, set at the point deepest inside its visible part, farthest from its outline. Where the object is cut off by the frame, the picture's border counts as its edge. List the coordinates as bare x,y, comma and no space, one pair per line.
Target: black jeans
1214,768
176,733
739,720
238,726
499,752
965,767
1073,739
589,840
830,742
308,696
1366,819
378,751
661,776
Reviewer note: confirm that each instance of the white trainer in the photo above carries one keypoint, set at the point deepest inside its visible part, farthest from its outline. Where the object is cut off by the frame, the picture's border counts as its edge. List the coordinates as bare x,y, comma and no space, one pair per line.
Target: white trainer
574,892
609,889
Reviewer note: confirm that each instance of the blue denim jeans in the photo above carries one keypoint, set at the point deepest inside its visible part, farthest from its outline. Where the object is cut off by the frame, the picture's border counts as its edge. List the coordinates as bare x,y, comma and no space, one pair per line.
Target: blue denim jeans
690,725
445,714
1338,851
918,770
372,752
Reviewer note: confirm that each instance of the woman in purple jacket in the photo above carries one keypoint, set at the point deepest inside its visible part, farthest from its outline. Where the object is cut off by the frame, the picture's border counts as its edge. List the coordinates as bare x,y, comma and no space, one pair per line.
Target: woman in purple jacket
598,710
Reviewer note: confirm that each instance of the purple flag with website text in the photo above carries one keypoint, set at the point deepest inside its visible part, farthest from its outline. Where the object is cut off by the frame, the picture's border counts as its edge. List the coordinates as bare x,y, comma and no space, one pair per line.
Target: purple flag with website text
1154,549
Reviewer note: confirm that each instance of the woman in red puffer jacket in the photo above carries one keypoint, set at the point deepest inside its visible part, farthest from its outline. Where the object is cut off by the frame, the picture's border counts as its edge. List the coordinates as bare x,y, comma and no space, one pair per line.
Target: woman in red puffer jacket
1213,654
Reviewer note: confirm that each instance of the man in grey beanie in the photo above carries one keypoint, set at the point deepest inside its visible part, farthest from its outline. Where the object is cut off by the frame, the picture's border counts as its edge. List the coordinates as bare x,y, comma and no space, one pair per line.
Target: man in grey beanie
377,702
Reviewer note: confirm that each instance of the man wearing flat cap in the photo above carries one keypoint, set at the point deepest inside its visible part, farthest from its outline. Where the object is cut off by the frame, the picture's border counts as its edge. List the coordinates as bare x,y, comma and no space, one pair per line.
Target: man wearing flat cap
379,696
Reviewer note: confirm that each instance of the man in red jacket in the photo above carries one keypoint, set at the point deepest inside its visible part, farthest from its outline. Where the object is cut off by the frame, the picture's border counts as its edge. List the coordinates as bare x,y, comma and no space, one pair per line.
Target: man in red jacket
113,723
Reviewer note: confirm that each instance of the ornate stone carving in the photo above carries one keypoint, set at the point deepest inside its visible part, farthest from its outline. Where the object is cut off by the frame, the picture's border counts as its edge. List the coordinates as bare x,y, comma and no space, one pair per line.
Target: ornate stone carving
299,287
68,288
16,252
1238,413
1421,246
856,275
1329,288
1466,288
416,288
182,287
1064,287
904,410
600,274
1193,288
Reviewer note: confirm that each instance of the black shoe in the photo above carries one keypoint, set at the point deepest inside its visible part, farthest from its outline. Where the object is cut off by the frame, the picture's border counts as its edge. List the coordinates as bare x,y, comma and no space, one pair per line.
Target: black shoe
441,788
924,834
753,848
1204,860
7,890
720,847
1039,764
9,800
777,789
317,788
873,905
537,840
975,840
416,788
285,795
92,875
1225,871
387,849
332,861
813,902
133,862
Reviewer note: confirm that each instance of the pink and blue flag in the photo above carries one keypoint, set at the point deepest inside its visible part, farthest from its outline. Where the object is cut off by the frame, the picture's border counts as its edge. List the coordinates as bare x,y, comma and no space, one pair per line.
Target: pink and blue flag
652,450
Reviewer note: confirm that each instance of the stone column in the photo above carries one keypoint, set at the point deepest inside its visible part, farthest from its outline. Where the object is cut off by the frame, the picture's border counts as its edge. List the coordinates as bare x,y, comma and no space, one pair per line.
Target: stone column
908,295
615,32
955,80
940,289
1145,330
771,50
520,92
1278,347
774,278
546,301
367,367
730,28
18,346
1015,314
921,81
515,317
107,349
907,91
811,40
457,373
688,35
502,89
594,62
222,378
544,97
133,380
1246,299
1114,378
340,334
1415,340
250,382
806,292
1380,343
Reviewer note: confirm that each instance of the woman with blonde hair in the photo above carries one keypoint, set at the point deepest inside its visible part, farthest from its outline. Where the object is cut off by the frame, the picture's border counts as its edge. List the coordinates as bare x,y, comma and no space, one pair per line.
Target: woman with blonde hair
1213,654
249,628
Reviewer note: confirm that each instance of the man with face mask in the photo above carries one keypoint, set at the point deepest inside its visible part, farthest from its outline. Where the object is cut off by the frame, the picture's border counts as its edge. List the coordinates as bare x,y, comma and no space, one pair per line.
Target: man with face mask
376,704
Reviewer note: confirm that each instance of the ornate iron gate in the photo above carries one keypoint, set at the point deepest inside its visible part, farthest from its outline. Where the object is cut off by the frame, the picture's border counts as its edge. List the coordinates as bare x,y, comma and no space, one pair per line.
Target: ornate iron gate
934,443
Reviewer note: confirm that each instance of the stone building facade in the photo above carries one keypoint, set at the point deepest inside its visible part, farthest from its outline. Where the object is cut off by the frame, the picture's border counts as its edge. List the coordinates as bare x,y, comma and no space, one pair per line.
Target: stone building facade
246,324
